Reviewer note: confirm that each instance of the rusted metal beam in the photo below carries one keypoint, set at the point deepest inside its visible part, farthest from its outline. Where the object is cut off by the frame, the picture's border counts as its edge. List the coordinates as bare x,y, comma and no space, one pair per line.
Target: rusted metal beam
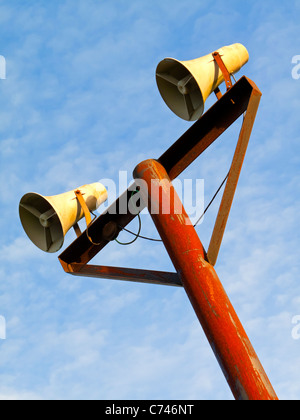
175,160
126,274
208,128
226,335
233,177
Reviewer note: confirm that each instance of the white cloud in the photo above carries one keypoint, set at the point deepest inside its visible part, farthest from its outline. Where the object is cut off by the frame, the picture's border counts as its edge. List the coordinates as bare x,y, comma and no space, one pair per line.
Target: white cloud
80,103
7,394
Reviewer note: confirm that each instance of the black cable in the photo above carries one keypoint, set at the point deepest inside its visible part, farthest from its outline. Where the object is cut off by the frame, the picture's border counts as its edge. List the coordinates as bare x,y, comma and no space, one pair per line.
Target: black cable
212,200
142,237
137,235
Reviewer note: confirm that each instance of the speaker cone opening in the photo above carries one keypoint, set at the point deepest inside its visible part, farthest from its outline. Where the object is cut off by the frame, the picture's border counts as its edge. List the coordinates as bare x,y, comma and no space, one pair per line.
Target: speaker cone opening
179,90
41,223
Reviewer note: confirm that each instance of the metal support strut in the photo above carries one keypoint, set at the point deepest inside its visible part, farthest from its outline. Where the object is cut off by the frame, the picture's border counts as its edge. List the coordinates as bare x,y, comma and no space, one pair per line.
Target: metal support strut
195,271
233,350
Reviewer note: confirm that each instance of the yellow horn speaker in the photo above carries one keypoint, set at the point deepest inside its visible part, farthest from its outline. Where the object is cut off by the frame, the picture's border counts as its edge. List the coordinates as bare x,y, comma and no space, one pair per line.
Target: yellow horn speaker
186,85
46,220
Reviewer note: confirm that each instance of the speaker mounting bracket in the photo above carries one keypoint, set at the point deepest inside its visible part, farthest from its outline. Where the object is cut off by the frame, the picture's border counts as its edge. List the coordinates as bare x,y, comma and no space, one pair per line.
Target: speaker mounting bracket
242,99
227,77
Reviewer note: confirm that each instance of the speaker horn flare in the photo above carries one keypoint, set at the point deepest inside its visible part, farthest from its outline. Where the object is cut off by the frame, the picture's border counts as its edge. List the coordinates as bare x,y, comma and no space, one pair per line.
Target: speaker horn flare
186,85
46,220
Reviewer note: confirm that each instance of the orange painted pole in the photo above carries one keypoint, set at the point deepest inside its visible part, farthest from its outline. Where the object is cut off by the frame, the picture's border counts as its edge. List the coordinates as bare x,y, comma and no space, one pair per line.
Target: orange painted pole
233,350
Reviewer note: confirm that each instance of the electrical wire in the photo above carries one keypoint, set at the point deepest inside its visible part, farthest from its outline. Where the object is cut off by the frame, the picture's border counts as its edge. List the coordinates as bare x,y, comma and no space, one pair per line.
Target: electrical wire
142,237
212,200
138,235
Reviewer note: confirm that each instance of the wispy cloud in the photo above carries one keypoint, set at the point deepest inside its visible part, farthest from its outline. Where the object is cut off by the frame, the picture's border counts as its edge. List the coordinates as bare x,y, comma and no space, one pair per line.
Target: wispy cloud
79,104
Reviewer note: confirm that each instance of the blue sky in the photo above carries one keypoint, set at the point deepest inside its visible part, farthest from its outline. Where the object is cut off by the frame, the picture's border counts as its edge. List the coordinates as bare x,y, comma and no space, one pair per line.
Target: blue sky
79,104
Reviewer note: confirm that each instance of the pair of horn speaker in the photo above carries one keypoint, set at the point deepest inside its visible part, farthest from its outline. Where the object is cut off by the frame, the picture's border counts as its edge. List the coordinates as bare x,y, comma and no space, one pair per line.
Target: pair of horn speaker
46,220
186,85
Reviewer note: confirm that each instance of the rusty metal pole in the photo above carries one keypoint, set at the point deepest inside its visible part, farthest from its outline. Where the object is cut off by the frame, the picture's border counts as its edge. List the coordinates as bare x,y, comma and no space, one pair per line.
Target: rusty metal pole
233,350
